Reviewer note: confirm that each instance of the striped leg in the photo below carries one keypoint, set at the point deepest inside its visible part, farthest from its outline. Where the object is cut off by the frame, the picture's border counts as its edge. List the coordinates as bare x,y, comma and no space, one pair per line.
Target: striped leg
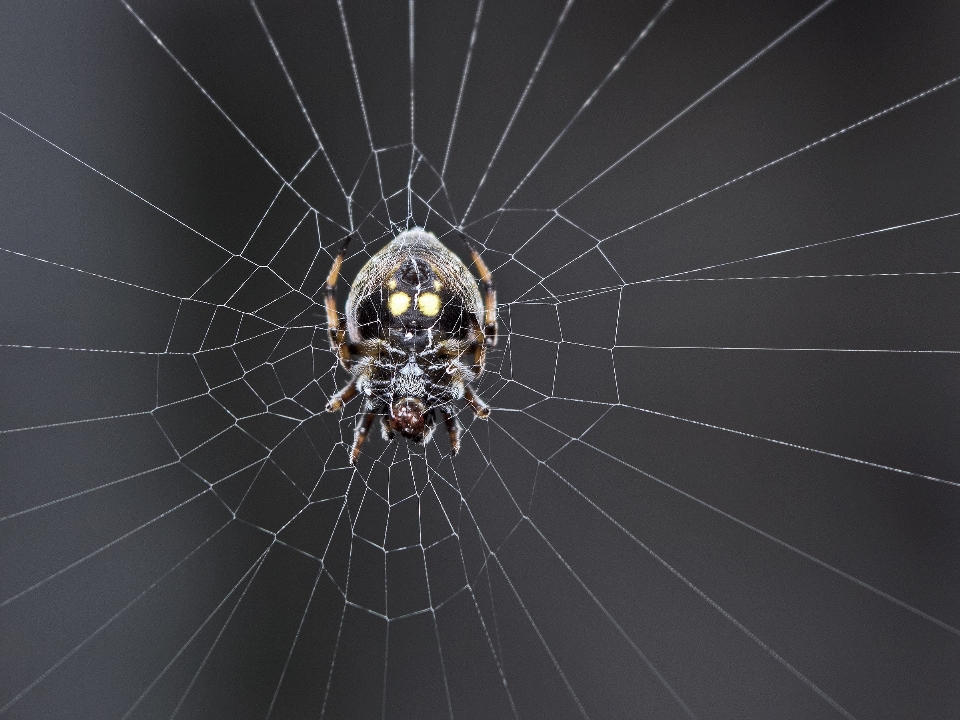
335,328
363,427
344,396
454,429
479,406
489,294
479,349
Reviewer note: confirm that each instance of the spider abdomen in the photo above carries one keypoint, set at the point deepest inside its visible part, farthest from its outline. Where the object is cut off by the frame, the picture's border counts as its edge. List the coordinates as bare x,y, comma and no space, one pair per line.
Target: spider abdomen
414,284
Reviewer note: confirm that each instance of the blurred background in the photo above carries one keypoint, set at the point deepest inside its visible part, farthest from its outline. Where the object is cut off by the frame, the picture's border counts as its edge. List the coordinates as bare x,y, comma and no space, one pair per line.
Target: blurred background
720,478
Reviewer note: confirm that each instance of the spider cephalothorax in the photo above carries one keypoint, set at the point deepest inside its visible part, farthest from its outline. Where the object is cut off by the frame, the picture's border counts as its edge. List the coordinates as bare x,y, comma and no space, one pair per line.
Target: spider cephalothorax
414,337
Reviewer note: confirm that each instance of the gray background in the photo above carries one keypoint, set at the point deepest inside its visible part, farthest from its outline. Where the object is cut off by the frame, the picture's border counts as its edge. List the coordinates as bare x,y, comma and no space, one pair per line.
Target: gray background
591,537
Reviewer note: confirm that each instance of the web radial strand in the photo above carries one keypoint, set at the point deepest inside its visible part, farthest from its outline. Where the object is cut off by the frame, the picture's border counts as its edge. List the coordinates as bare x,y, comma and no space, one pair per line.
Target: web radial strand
753,59
593,94
794,153
206,94
105,177
463,83
519,106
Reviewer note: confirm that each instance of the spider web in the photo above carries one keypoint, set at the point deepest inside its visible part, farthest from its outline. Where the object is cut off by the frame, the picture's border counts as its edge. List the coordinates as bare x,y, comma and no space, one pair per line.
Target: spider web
720,474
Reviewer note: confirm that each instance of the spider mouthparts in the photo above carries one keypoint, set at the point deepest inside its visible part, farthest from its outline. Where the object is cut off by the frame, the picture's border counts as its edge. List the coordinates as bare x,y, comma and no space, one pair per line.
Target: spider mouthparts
408,417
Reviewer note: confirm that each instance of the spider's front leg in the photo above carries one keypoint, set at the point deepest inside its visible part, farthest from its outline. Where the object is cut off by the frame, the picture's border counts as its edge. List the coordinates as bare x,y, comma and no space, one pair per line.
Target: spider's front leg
343,396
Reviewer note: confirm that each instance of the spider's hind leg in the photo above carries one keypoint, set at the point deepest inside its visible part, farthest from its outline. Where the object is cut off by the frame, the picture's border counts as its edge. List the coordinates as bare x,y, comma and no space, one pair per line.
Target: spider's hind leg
363,427
430,425
454,428
385,429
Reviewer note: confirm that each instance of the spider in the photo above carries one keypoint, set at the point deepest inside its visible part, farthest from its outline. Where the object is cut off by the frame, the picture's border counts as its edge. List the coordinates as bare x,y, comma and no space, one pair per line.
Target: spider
413,315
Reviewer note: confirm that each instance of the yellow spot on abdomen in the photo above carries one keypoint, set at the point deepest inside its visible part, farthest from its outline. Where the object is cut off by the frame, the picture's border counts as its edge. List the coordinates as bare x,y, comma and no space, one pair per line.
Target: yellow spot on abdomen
392,284
398,303
429,304
437,285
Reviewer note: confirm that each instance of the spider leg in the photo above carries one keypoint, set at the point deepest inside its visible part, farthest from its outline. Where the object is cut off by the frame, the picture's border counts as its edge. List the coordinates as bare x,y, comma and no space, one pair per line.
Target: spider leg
479,349
343,396
489,294
363,427
335,329
454,429
429,428
479,406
